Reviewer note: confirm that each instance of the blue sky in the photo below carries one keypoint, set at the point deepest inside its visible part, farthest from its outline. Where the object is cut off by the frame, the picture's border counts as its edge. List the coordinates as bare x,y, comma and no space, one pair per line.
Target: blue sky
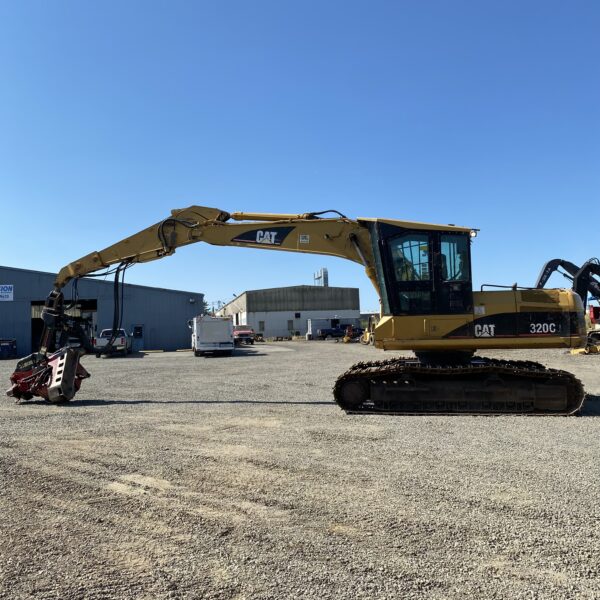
485,114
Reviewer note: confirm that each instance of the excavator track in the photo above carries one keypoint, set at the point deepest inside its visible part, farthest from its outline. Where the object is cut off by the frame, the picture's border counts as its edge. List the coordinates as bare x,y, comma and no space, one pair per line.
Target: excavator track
406,386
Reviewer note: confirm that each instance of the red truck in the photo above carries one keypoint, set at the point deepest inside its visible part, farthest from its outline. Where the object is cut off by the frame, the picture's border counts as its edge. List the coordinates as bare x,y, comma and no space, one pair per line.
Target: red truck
243,334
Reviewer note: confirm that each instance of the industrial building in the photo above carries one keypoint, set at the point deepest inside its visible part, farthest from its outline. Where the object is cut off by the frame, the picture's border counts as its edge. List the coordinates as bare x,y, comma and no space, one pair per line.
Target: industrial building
157,317
277,312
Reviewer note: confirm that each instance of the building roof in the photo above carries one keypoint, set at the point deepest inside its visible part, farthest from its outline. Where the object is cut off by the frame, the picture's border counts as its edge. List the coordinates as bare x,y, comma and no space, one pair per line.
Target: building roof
98,280
296,287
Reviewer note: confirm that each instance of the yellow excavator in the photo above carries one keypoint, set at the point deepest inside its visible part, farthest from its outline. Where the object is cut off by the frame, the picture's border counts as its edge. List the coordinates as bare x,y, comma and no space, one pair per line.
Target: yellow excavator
586,282
422,273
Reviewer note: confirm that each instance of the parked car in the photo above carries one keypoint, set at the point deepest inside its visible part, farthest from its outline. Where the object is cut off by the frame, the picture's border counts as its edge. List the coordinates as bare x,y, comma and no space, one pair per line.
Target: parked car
122,344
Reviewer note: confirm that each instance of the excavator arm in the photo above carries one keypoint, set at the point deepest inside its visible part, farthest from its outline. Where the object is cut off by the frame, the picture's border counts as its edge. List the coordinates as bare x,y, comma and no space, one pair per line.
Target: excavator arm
586,283
584,278
309,232
56,373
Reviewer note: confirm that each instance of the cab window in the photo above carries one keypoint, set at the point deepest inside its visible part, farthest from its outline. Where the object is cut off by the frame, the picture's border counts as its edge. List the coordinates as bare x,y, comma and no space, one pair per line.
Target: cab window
455,258
410,257
410,262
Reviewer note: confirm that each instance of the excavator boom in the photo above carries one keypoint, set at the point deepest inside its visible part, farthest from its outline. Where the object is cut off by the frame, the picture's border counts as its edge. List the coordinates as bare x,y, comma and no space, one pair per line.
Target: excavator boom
307,233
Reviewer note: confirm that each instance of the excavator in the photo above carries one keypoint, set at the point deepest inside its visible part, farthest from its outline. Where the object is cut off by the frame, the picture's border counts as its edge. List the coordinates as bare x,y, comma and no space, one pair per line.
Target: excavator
422,273
586,283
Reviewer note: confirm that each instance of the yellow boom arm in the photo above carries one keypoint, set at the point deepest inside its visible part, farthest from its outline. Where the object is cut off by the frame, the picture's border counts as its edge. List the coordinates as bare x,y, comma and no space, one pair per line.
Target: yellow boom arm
338,236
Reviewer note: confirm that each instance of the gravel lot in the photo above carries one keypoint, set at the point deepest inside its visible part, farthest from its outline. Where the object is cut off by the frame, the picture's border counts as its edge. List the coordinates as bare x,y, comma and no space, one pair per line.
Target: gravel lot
179,477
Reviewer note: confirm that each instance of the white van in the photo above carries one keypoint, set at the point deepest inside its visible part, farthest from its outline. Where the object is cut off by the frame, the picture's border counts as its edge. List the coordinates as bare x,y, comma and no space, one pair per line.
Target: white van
211,335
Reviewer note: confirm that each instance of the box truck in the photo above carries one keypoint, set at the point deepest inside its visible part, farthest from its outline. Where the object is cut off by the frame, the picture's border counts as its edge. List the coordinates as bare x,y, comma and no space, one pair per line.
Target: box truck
211,335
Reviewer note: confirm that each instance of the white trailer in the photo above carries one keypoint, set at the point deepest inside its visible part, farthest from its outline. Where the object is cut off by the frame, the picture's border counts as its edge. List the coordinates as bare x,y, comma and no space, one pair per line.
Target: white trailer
211,335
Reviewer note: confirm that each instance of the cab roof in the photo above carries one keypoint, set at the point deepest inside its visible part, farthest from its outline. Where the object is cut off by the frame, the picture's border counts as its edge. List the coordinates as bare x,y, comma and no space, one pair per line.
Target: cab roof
417,225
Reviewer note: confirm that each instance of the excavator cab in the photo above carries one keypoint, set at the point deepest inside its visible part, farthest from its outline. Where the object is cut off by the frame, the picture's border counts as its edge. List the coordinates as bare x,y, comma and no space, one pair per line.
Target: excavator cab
423,271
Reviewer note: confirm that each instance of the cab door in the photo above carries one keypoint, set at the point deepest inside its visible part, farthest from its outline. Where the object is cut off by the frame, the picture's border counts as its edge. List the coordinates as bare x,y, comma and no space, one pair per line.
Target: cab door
410,272
452,274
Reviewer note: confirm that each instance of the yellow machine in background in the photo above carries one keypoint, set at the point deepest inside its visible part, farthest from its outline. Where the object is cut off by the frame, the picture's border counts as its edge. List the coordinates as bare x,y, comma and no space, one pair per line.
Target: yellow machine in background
422,273
592,323
586,284
368,336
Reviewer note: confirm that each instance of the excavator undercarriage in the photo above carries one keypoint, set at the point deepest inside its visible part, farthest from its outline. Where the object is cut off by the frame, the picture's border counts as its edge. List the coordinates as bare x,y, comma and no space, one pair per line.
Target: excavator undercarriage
481,386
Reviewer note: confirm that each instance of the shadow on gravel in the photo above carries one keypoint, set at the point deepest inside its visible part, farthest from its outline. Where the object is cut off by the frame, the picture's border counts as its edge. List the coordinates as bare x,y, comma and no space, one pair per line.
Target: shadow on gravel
248,352
591,406
116,357
74,403
237,353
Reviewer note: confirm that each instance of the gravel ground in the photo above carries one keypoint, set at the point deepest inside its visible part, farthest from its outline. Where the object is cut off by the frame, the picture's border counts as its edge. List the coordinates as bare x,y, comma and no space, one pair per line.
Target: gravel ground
179,477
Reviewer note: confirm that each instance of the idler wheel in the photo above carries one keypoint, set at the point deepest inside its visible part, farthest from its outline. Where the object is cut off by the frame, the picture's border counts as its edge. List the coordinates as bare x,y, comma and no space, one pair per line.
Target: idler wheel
353,393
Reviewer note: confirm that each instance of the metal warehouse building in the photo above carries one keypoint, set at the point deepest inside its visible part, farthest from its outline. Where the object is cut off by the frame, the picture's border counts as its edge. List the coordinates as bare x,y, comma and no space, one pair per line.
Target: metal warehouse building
276,312
157,316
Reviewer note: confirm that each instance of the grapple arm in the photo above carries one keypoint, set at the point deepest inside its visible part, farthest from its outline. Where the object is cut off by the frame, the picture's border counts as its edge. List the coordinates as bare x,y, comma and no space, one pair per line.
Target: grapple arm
57,374
584,278
52,374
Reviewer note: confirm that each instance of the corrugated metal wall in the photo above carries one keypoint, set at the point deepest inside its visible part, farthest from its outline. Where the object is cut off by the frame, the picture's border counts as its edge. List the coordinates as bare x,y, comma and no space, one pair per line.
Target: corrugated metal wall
276,323
276,306
163,313
302,297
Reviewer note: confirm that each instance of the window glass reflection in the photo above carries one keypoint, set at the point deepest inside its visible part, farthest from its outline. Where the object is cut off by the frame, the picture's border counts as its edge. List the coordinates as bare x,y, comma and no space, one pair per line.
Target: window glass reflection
410,256
455,258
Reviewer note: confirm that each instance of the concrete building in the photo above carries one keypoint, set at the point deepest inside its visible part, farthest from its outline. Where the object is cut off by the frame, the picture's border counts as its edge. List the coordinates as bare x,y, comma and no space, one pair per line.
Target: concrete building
277,311
158,316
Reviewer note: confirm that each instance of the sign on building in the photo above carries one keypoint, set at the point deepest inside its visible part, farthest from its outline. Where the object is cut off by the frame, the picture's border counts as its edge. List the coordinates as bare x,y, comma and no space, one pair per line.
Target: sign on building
6,291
